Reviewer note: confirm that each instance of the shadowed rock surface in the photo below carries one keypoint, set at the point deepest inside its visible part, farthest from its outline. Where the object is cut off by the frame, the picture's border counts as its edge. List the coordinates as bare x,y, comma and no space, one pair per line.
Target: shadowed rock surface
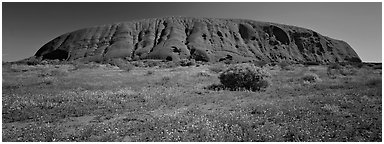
202,39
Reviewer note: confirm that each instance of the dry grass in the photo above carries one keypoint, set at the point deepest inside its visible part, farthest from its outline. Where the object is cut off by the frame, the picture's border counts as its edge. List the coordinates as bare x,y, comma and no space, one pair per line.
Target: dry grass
174,104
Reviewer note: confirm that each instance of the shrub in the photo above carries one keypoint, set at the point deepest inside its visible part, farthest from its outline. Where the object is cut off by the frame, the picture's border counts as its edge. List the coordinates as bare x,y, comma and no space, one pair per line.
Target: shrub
149,72
219,67
373,82
80,65
126,67
353,60
311,77
377,66
170,64
6,66
334,69
30,61
335,66
309,63
285,66
138,63
153,63
203,74
48,80
54,72
163,81
348,70
186,62
260,63
245,76
122,64
215,87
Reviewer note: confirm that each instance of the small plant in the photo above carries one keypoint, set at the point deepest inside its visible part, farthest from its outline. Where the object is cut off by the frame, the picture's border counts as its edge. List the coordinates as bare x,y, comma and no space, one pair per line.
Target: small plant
245,76
170,64
348,70
333,69
286,66
203,74
138,63
186,62
153,63
309,63
311,77
217,68
373,82
81,65
123,65
54,72
164,80
216,87
260,63
48,80
32,61
7,66
127,67
149,72
335,66
377,66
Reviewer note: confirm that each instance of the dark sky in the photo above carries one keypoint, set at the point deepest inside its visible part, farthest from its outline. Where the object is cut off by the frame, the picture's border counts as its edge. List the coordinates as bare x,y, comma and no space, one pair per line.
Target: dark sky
28,26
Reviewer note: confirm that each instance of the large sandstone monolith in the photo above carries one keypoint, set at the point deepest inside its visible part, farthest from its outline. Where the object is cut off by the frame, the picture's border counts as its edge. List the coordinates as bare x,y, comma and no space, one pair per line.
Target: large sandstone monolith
202,39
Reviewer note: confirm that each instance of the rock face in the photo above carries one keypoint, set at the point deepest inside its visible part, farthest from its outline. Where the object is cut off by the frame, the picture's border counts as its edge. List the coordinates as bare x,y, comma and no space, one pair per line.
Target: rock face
202,39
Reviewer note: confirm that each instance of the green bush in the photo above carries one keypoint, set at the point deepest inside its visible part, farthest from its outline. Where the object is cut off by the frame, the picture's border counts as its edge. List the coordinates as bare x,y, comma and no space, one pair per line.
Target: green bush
245,76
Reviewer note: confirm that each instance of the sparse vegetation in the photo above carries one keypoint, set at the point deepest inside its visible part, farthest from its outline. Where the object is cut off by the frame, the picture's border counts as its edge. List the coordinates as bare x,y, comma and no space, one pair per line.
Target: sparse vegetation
61,104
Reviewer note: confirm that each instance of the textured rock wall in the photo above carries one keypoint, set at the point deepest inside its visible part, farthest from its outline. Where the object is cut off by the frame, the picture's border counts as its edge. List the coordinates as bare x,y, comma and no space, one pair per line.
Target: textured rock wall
204,39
